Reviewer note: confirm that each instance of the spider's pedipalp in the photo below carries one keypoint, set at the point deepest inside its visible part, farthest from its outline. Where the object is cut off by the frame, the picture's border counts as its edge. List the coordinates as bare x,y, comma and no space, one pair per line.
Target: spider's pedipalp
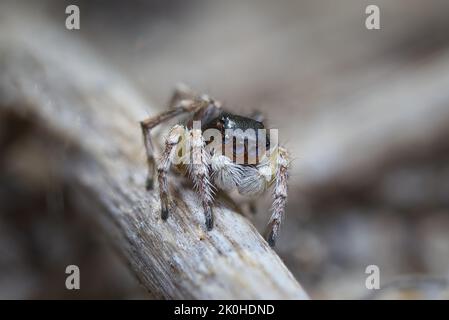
225,173
280,196
255,180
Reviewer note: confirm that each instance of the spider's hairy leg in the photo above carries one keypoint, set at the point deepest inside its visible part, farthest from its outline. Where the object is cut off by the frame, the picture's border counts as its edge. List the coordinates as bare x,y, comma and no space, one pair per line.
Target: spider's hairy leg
199,172
280,196
171,142
182,106
181,92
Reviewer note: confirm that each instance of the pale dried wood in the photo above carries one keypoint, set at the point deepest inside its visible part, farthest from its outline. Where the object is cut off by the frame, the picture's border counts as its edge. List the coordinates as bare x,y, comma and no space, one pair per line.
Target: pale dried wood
92,115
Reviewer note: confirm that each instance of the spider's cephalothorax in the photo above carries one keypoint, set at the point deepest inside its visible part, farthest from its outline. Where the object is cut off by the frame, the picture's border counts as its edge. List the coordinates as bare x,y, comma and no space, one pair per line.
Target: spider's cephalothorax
226,151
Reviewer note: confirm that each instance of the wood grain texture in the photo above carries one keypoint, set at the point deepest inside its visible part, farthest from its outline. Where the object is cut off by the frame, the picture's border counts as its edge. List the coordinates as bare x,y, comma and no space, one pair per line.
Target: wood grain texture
91,116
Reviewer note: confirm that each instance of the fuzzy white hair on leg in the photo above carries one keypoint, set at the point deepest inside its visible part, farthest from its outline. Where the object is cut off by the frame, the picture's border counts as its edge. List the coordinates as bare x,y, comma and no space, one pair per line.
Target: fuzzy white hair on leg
199,173
279,195
164,165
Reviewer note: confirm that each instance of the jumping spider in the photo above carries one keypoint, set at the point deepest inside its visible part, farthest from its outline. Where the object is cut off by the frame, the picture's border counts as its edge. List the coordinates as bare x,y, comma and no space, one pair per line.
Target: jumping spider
212,168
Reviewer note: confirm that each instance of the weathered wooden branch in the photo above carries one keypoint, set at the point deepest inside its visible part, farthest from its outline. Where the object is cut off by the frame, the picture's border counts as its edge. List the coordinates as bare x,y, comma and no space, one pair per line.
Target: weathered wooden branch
92,116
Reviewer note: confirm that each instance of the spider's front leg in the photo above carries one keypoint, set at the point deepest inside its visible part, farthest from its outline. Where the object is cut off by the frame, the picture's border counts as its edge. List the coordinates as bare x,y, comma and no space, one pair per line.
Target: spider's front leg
280,197
199,172
181,92
166,160
177,107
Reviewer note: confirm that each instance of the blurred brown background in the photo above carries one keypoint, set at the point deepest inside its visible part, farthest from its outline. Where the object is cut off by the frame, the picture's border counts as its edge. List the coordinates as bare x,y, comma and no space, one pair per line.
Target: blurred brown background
365,114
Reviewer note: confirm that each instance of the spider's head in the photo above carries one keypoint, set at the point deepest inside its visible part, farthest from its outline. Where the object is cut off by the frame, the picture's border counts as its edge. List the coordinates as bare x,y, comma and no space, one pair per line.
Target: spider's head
240,136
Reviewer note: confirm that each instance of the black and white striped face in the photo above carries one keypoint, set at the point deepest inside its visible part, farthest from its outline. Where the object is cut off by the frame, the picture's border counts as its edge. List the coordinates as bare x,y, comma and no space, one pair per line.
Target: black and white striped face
244,140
